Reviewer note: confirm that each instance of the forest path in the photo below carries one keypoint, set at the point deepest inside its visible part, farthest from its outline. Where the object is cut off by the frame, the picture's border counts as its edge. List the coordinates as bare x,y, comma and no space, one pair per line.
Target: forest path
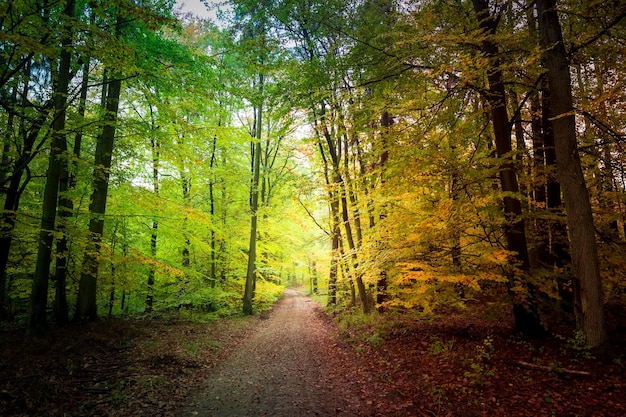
291,366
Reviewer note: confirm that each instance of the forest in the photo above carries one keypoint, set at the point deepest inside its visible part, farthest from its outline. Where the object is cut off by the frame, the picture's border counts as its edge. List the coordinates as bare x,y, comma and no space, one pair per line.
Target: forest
394,158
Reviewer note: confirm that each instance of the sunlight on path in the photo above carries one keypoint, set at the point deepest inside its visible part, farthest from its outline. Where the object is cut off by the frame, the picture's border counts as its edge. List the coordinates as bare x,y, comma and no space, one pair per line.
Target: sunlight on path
289,367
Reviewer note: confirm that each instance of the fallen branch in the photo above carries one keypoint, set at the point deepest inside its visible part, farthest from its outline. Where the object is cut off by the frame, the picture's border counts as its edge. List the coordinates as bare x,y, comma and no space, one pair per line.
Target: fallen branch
555,369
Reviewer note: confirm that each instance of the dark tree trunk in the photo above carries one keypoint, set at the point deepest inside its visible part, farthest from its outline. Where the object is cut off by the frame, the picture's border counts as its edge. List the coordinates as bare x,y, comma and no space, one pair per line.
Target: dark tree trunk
151,271
385,122
527,319
16,186
250,285
66,210
334,149
156,161
186,185
585,262
86,306
37,320
212,210
335,234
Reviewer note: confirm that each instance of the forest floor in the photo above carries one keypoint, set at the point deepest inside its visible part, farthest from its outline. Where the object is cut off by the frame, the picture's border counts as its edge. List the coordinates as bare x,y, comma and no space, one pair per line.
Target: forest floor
296,361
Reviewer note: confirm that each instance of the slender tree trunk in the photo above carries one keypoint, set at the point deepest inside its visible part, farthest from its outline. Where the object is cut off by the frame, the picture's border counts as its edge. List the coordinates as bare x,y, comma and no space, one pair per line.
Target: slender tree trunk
338,179
212,210
223,254
123,304
527,319
345,217
113,270
335,235
156,158
16,185
314,276
610,228
86,307
250,285
66,210
151,271
585,262
385,123
186,253
39,296
7,224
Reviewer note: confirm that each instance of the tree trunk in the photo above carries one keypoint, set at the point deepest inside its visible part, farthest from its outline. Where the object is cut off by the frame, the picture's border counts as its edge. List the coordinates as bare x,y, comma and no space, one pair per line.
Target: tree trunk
156,157
250,285
66,210
585,263
335,155
186,253
335,234
16,185
113,270
381,284
212,211
527,319
86,307
151,271
39,295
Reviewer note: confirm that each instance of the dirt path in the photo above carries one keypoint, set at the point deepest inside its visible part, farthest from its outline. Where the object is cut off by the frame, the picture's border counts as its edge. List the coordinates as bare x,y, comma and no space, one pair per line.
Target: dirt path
291,366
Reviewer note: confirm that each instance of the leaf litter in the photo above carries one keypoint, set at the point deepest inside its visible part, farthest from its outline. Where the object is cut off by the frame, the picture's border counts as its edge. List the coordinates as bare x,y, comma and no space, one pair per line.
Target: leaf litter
296,361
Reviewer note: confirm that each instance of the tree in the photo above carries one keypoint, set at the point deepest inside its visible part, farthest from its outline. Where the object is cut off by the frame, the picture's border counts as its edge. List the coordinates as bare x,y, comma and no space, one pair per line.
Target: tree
67,183
27,112
588,300
251,271
58,147
527,319
86,304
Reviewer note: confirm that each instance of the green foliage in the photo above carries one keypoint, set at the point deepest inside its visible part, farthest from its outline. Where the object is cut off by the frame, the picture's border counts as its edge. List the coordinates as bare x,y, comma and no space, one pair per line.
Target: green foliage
438,347
353,319
480,363
374,339
577,346
267,293
421,192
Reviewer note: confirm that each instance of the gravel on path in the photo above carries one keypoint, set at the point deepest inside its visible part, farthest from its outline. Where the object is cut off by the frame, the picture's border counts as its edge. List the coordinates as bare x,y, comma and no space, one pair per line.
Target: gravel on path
291,366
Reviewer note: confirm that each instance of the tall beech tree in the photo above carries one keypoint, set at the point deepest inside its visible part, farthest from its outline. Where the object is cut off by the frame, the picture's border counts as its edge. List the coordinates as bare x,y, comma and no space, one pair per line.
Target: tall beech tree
67,183
58,148
86,304
251,271
588,299
527,319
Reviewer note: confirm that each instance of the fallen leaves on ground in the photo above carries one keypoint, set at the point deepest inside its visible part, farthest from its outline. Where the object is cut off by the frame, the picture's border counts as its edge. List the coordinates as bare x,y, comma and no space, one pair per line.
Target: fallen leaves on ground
460,364
125,367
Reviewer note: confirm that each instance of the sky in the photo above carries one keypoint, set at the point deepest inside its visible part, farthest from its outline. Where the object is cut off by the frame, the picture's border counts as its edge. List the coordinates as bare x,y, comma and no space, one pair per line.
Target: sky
196,7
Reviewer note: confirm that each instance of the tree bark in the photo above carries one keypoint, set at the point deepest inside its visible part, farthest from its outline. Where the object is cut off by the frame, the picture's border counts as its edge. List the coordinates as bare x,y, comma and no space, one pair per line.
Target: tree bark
527,319
66,210
16,185
86,306
335,234
212,212
155,146
385,123
37,321
588,300
250,285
